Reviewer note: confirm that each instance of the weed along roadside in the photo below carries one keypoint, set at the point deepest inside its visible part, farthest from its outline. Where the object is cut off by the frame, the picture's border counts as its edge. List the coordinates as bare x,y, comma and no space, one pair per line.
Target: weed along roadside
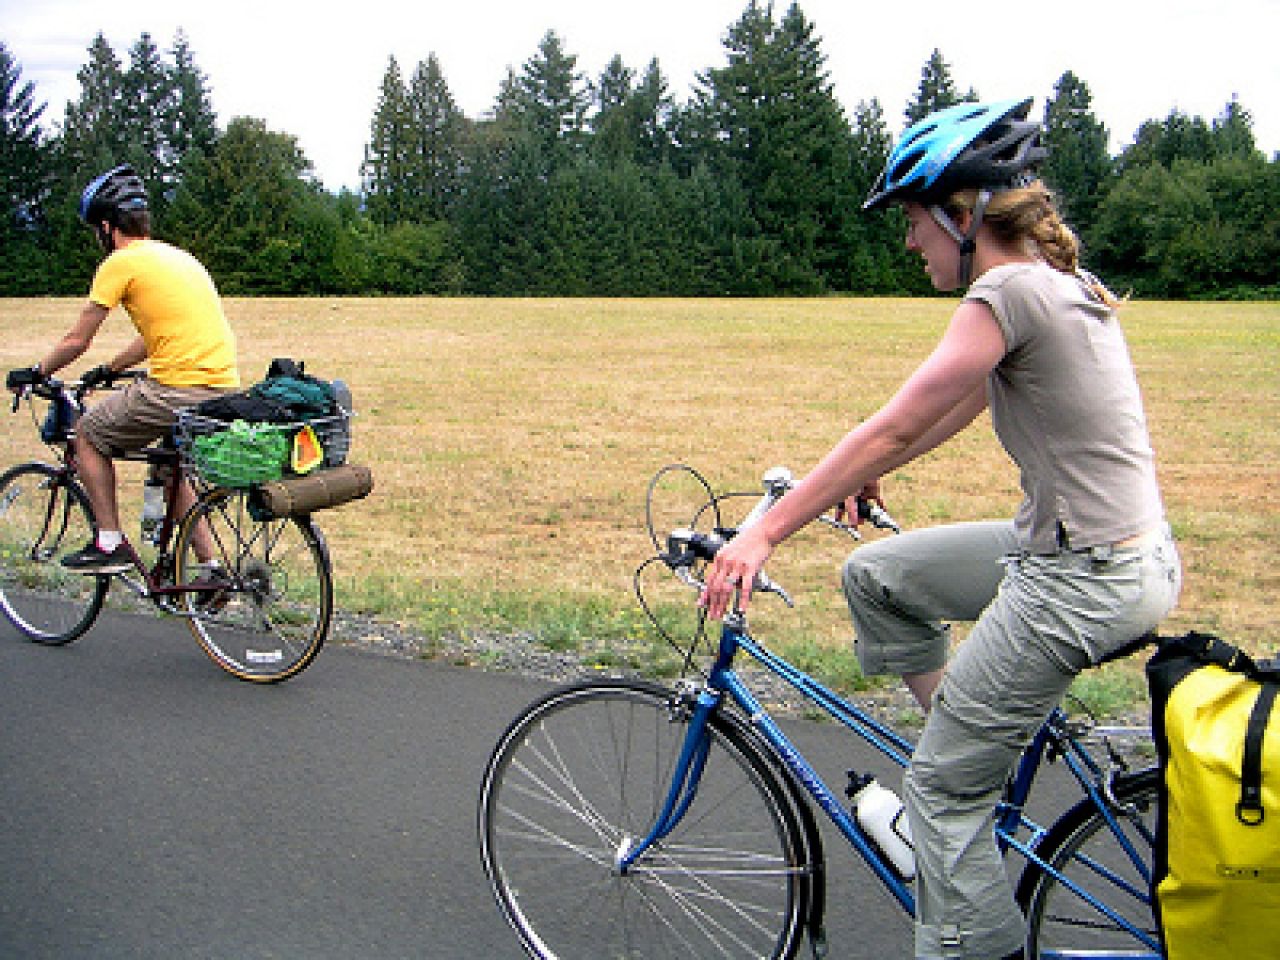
512,441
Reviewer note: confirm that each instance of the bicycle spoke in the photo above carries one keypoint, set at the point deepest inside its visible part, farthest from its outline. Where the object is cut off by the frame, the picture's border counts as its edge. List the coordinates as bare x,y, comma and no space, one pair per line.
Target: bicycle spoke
580,782
273,615
43,517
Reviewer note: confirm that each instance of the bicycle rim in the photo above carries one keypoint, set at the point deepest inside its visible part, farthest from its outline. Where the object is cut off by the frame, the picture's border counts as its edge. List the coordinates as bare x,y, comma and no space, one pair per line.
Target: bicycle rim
273,618
42,519
1083,849
580,776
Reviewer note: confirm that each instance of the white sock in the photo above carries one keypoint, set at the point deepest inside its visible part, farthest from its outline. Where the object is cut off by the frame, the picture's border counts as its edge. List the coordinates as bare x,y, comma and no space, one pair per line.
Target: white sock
108,540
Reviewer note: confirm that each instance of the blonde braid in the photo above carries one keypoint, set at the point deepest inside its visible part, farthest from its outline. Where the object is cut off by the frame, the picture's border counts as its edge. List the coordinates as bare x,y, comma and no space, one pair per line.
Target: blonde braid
1028,217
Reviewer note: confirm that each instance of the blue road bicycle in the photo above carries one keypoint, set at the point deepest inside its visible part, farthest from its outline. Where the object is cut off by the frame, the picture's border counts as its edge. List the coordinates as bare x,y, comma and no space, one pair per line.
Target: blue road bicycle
623,818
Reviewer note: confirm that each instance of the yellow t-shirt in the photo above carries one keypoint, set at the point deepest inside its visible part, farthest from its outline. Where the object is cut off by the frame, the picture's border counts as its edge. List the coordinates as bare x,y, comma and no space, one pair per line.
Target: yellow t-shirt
173,302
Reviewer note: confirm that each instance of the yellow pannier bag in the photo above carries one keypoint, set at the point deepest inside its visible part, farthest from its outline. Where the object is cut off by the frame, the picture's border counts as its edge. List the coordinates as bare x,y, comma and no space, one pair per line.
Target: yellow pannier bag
1217,858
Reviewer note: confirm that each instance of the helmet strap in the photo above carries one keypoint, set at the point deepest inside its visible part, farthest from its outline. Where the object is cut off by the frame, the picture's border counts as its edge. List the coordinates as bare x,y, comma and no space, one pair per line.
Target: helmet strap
967,241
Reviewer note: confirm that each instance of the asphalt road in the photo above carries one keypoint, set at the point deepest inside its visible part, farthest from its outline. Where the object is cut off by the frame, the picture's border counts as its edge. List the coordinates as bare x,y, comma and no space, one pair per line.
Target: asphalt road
152,806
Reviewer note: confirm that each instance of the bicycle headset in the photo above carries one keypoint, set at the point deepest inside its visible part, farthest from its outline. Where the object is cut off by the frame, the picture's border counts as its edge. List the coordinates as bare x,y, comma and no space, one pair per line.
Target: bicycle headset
116,190
991,146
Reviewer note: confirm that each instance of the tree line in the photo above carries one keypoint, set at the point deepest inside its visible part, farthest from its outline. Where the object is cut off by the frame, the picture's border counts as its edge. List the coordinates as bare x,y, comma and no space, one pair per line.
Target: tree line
604,186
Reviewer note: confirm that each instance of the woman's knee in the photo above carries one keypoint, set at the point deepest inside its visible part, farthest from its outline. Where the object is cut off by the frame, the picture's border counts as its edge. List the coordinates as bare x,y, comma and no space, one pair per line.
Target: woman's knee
890,638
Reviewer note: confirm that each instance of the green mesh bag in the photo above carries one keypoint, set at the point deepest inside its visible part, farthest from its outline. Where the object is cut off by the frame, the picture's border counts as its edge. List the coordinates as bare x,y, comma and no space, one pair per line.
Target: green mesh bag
242,455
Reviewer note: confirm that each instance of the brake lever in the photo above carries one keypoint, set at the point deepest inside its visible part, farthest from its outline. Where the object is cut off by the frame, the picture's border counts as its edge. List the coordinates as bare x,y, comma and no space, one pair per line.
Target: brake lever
878,517
764,584
840,525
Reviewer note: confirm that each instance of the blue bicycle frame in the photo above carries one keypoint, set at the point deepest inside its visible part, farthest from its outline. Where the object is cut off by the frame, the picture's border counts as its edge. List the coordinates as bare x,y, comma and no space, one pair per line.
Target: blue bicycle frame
1011,820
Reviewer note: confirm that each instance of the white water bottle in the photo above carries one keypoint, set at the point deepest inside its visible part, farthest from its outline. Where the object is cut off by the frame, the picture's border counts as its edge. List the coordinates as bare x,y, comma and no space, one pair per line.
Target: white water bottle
152,507
880,813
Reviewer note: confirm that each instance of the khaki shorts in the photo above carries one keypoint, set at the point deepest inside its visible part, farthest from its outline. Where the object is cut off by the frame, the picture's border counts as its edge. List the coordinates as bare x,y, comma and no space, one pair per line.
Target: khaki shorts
140,413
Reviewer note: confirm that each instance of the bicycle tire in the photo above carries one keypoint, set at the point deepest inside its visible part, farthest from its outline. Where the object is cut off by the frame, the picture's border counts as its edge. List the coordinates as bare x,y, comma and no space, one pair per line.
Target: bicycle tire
1061,923
45,515
585,770
274,616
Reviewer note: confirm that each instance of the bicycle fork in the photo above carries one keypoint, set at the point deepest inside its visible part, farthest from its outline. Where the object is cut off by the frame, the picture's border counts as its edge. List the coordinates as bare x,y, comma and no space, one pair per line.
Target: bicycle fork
684,780
54,528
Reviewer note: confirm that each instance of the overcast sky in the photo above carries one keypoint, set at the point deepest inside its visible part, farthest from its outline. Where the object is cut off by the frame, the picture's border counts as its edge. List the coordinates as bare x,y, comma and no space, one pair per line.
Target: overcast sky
313,69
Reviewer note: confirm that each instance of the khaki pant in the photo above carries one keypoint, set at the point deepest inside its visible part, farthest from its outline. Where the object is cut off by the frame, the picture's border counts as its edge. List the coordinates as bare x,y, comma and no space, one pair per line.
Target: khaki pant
137,414
1040,621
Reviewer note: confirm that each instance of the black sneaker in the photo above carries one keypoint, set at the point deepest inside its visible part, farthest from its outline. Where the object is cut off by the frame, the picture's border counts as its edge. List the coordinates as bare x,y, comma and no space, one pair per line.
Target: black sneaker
93,559
210,601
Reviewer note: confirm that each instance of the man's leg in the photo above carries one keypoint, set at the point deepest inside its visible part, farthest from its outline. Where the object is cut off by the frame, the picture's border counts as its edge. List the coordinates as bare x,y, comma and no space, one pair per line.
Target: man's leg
107,552
98,475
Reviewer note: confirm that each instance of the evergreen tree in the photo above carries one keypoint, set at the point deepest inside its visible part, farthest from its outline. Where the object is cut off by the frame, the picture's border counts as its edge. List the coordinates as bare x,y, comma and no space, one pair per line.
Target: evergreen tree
94,138
870,146
878,260
242,208
147,111
937,90
631,119
769,120
192,122
611,128
809,190
95,127
649,109
1233,131
436,135
22,153
1078,166
1177,137
549,100
23,181
388,155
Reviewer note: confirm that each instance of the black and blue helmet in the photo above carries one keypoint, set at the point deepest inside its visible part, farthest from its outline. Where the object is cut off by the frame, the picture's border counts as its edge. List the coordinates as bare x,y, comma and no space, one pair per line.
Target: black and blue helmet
119,189
989,145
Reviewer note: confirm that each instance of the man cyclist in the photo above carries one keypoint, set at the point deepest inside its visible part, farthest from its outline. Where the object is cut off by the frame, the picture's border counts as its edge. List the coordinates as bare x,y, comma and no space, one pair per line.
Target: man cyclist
183,335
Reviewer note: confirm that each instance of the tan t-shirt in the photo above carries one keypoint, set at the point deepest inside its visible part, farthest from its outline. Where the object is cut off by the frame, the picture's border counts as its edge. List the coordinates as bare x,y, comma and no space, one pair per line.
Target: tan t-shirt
1066,406
171,299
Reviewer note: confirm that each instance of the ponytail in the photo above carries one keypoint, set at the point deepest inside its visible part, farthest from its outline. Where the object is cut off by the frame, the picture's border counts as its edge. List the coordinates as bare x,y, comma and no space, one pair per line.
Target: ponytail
1028,217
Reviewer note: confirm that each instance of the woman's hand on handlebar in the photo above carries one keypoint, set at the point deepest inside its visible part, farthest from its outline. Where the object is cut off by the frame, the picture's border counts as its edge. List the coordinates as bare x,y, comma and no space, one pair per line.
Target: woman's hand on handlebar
855,509
735,568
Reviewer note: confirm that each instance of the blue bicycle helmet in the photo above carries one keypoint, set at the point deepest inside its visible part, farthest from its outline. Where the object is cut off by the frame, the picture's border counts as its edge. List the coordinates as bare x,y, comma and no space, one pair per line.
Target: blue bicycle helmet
118,189
969,145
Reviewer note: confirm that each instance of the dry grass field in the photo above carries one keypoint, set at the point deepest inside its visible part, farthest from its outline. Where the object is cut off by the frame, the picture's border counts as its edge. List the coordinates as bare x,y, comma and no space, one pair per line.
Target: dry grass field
512,442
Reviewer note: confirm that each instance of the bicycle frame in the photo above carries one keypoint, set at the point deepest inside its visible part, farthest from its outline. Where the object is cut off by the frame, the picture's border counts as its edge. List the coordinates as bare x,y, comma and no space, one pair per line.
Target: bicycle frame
153,584
1053,738
150,582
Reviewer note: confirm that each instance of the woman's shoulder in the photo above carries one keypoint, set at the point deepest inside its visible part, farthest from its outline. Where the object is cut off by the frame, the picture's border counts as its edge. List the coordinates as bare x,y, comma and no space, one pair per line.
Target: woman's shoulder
1019,273
1035,281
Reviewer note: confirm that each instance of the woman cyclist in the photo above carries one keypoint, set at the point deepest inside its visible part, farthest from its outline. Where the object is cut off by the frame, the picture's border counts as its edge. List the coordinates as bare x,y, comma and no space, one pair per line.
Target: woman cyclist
1087,563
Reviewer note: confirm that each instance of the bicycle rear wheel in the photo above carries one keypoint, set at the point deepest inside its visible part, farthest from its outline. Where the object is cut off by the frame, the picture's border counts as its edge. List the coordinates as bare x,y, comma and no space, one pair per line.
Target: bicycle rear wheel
581,776
44,516
1113,869
273,615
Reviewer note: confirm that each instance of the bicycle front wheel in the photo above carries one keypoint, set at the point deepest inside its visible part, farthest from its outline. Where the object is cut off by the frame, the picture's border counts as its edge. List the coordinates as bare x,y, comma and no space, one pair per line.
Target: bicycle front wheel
580,777
44,515
1109,911
272,616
